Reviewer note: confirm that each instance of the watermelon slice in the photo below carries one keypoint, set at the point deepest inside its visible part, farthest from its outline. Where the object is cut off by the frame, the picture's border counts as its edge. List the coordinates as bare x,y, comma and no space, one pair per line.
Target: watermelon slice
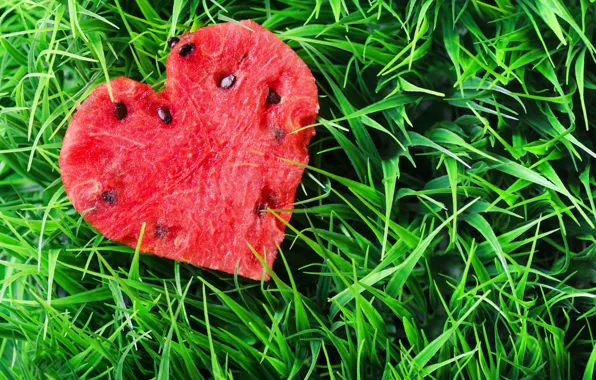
201,161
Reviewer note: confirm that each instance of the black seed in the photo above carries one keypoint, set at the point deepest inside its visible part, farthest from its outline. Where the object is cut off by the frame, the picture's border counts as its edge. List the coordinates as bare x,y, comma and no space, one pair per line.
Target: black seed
267,200
109,197
186,49
228,81
273,97
160,231
120,111
261,208
279,133
164,114
172,41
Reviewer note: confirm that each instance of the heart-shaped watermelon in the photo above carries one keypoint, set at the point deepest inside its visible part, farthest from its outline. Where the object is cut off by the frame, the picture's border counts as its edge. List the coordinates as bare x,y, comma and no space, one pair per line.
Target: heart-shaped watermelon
201,161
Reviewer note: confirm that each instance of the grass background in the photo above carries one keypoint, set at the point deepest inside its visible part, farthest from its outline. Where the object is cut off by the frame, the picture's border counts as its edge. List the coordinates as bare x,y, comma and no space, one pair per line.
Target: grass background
445,228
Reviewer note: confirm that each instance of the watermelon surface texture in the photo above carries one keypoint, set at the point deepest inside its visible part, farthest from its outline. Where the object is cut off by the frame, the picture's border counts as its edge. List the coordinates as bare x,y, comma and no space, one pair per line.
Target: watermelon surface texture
200,161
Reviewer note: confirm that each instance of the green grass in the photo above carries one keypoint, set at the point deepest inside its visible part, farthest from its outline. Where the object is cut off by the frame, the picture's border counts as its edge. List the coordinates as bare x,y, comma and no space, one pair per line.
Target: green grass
445,227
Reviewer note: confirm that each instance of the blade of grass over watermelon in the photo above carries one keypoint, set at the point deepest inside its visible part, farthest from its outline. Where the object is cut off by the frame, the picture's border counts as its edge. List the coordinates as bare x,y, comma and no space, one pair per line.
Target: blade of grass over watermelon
444,227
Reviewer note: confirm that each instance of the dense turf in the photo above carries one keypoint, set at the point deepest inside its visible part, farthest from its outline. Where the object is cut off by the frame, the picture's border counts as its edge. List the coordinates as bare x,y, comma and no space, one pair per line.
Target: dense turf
445,228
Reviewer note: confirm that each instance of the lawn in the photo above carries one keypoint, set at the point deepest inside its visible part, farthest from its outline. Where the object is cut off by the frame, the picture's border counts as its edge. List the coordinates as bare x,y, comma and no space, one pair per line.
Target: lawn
445,227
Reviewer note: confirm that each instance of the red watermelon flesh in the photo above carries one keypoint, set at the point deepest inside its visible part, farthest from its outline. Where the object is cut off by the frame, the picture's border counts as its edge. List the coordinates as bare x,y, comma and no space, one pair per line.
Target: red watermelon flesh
200,161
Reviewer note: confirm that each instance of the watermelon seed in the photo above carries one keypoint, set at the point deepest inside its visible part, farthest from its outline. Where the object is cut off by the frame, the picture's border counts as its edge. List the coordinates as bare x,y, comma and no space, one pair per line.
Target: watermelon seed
172,41
164,114
261,208
279,133
228,81
273,97
268,200
120,111
109,197
160,231
186,49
